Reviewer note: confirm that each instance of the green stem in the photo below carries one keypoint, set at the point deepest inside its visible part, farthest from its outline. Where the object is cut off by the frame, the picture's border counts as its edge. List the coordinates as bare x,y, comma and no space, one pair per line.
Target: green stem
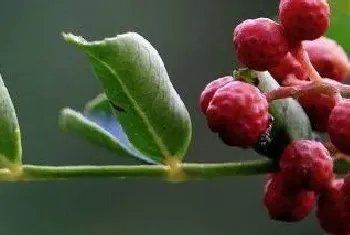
186,171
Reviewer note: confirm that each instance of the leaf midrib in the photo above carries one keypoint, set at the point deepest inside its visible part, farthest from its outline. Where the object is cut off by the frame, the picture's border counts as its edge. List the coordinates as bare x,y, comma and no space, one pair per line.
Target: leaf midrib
156,139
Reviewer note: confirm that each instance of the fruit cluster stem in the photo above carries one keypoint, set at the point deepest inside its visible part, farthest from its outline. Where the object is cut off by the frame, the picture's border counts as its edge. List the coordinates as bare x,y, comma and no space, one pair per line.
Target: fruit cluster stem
301,55
293,88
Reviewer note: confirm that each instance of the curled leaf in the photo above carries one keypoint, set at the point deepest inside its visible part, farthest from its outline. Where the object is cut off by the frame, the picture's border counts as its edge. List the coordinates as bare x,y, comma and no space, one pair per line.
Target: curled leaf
102,131
10,137
142,97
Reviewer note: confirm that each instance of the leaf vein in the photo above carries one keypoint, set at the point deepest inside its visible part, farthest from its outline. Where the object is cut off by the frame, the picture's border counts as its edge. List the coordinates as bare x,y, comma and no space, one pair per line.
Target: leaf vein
157,140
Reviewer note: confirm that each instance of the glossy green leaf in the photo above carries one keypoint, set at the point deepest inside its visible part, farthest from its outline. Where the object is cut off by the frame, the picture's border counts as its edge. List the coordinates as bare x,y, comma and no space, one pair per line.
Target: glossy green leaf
10,134
138,87
99,104
90,130
288,113
340,27
100,112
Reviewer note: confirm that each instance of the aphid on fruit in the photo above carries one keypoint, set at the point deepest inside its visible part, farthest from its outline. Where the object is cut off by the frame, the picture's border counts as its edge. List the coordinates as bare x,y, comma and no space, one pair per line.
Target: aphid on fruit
238,112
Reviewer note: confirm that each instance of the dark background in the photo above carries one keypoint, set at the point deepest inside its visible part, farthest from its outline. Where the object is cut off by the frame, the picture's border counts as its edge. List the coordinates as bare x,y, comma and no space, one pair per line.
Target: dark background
44,74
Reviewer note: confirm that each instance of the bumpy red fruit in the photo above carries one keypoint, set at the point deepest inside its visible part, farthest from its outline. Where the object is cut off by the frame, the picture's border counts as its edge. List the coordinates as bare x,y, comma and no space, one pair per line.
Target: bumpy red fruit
304,19
331,211
339,126
210,90
284,203
328,58
238,112
318,107
346,192
307,164
259,43
288,65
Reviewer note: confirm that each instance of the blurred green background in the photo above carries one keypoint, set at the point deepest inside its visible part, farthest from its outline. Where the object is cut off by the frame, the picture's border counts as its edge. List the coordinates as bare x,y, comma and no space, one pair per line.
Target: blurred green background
44,74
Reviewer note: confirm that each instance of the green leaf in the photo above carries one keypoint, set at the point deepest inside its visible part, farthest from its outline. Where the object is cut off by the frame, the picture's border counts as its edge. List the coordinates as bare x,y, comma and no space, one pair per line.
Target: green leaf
245,74
288,113
290,121
138,87
10,137
90,130
99,104
340,27
100,112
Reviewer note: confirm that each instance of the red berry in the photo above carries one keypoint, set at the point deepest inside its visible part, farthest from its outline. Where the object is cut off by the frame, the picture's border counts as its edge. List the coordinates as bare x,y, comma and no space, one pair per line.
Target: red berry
318,107
288,65
238,112
284,203
210,90
331,211
260,43
304,19
339,126
307,164
328,58
346,192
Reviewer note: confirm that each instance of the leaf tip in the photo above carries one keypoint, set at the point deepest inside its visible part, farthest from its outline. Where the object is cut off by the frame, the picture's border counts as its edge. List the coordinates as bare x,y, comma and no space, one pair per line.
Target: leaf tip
89,107
63,116
2,84
74,40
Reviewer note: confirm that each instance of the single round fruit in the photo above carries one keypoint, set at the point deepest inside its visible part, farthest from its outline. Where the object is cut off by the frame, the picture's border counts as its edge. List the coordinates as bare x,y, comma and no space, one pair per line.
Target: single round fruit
346,192
210,90
284,203
238,112
307,164
328,58
260,43
304,19
339,126
318,107
288,65
331,211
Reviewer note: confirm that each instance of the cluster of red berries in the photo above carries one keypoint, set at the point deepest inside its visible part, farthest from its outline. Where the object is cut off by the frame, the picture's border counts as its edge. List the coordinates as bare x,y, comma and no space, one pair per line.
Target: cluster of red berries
297,55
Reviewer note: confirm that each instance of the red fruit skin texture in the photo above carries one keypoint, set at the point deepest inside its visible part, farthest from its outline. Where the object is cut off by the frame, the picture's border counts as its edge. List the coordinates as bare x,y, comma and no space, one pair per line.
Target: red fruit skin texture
307,164
318,107
288,65
259,43
339,126
284,203
331,211
210,90
346,192
238,112
304,19
328,58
